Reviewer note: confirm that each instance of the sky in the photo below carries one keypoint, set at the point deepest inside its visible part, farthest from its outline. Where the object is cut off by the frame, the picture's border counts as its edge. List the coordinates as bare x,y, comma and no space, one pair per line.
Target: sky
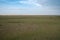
29,7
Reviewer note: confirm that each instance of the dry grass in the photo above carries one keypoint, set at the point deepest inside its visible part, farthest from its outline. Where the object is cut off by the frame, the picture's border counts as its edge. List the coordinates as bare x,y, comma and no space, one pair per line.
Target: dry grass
29,27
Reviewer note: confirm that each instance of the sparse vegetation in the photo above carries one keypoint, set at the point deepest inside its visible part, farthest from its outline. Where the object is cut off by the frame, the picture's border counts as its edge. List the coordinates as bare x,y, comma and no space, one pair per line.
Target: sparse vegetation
29,27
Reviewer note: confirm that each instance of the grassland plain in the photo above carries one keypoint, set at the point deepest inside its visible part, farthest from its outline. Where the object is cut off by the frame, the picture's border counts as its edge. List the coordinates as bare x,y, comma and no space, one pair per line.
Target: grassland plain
29,27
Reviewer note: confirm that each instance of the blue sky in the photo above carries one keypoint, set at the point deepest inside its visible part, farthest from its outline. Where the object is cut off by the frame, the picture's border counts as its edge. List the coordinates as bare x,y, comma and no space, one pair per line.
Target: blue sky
29,7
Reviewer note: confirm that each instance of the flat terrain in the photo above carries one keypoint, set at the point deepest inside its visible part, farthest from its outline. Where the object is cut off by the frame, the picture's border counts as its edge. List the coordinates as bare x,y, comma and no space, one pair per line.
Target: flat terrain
29,27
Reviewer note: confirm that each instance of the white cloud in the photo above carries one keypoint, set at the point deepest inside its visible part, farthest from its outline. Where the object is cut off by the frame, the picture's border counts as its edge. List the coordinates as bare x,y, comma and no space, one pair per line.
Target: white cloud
31,2
29,11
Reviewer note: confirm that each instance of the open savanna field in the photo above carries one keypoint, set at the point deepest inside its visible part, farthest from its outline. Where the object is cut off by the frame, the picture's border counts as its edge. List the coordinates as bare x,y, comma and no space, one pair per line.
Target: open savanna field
29,27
